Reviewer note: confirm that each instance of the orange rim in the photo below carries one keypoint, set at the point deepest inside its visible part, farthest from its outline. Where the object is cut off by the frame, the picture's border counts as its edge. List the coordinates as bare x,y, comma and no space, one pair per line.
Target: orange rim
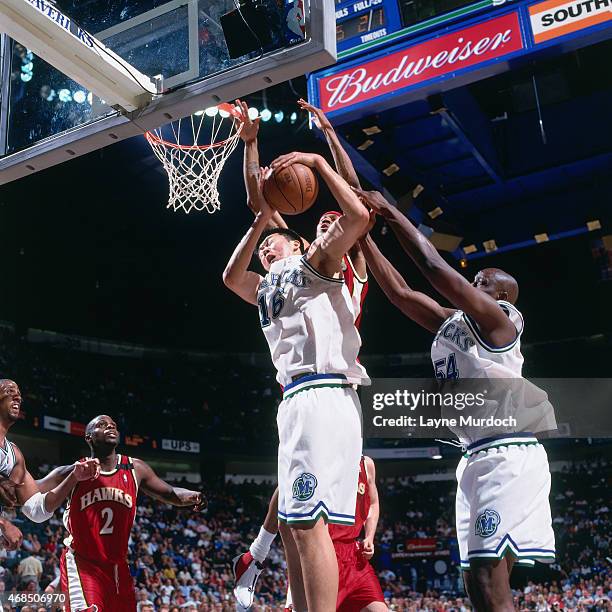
229,108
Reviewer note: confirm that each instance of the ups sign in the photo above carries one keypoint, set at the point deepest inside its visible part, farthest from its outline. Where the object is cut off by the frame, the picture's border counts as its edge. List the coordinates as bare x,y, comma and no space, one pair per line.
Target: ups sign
181,446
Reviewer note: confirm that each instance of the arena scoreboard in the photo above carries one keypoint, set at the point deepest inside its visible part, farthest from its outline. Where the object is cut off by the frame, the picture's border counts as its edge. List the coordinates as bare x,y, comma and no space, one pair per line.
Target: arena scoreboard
361,22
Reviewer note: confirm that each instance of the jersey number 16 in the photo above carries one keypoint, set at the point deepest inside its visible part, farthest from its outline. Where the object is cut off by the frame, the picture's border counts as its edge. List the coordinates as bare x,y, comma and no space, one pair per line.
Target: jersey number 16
278,301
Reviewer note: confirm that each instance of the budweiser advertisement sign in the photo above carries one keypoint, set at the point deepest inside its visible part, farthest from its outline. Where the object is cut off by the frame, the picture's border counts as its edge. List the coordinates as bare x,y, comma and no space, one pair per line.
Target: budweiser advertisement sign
422,62
555,18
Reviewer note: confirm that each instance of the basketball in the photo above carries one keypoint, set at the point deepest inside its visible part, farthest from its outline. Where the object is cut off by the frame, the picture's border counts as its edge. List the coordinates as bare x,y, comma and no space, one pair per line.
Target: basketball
292,190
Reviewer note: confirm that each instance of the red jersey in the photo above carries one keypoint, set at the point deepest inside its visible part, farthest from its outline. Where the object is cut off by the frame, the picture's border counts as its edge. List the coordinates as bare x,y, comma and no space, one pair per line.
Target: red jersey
100,514
357,286
349,533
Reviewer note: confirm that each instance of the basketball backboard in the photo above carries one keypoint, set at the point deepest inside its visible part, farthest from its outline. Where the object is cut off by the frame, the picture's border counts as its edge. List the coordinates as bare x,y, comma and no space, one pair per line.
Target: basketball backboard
47,118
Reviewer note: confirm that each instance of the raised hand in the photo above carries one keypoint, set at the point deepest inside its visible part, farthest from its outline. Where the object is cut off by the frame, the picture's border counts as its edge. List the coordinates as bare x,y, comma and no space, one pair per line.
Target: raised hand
283,161
373,199
319,117
371,224
88,469
250,127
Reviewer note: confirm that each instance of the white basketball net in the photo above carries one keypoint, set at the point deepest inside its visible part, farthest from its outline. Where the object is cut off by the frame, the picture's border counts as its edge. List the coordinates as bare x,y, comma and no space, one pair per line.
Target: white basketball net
194,165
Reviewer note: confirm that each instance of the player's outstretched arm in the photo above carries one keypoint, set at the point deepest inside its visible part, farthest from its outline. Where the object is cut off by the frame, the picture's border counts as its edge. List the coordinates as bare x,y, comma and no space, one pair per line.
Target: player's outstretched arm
492,320
415,305
159,489
344,165
250,167
39,506
236,276
53,478
374,511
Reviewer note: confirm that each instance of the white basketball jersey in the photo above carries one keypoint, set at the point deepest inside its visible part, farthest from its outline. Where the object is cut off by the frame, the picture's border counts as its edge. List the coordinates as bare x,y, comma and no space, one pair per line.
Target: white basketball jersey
7,459
309,322
459,351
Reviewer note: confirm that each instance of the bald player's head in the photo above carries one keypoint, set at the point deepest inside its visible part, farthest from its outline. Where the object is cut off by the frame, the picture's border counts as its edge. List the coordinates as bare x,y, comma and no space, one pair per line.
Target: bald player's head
498,284
102,431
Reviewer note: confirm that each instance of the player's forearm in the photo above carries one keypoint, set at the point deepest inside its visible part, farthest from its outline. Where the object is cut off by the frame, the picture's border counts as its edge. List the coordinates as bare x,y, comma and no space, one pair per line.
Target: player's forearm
183,497
53,478
421,251
388,278
372,521
56,497
344,165
241,257
349,203
251,171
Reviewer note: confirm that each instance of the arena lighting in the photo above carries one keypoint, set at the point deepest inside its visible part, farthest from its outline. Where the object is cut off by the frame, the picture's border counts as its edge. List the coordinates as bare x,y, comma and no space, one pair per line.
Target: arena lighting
463,263
469,248
279,116
293,117
436,456
539,238
79,96
253,113
266,114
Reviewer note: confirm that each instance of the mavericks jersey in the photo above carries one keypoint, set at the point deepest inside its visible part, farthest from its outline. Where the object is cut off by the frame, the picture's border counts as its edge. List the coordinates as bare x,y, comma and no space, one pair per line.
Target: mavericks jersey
309,322
459,351
349,533
100,514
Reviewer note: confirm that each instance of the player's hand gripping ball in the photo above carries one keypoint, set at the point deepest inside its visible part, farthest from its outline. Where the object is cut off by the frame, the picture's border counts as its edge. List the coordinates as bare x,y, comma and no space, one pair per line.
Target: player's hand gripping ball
292,186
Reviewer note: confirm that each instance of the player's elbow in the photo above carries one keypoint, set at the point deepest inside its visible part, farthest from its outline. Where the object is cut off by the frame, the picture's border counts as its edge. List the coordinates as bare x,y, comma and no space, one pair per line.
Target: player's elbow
360,217
229,278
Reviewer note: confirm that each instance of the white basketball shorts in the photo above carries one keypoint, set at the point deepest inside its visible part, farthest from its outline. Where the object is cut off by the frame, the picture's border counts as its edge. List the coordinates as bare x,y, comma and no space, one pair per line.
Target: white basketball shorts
502,501
320,444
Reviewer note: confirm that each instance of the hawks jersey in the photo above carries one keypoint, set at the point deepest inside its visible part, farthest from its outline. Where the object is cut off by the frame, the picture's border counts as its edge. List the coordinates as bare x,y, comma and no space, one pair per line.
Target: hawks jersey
349,533
100,514
357,286
309,322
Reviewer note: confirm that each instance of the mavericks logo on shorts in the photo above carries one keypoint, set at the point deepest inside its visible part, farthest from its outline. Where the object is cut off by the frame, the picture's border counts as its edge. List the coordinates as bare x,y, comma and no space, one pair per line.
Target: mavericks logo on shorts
487,523
304,486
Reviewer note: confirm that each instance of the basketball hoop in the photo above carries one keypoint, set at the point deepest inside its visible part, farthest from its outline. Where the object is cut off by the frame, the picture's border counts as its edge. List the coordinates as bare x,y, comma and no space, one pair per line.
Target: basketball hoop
193,166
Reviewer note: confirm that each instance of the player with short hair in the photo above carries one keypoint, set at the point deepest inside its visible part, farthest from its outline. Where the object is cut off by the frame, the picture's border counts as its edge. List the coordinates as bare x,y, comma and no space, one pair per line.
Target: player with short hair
248,566
308,318
19,488
94,572
479,338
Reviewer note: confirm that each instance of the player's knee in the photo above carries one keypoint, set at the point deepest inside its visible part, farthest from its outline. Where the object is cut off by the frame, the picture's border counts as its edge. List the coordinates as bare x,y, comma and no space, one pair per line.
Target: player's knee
489,584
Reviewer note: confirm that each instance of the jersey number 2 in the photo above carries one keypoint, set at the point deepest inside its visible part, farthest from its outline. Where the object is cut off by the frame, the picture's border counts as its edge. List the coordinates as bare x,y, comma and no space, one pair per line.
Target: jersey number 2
278,301
447,367
107,529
